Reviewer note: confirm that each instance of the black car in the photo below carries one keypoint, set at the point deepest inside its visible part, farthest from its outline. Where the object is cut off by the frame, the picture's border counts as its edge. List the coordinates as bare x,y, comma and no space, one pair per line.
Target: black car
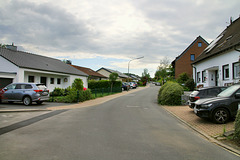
125,86
205,92
221,108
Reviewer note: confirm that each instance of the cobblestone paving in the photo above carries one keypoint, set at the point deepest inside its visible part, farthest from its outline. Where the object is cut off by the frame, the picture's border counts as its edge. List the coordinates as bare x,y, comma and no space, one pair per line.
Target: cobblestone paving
186,114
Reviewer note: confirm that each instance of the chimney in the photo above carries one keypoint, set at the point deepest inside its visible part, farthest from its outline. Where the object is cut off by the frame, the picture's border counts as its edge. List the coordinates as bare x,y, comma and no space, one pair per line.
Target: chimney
12,47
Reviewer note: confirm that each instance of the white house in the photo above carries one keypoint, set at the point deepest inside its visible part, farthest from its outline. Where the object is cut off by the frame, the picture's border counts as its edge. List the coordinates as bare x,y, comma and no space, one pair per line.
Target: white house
106,72
218,64
18,66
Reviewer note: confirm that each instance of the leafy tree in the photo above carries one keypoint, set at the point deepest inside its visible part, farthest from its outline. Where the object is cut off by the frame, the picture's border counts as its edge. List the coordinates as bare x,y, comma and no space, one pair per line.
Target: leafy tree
113,77
183,77
145,76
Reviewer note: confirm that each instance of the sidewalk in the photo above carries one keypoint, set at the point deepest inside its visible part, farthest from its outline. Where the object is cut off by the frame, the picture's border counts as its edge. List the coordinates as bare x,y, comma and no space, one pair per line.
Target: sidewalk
206,128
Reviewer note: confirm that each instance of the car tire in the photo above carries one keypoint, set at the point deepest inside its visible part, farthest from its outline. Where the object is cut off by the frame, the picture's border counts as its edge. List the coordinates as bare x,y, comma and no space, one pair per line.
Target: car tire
27,101
220,115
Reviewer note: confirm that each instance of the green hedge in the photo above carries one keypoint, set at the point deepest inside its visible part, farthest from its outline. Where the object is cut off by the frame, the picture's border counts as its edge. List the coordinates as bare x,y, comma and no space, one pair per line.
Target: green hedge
237,128
92,84
170,94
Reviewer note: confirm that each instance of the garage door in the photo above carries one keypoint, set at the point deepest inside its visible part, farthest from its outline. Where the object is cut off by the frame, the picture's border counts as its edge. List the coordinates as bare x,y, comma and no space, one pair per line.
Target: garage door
5,81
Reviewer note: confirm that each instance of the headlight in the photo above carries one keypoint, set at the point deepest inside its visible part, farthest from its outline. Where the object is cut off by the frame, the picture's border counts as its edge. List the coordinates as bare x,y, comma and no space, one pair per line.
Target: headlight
206,105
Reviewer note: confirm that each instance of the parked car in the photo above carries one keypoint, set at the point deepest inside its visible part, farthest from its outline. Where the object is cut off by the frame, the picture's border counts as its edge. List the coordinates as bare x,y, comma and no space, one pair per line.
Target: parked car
133,85
125,86
24,92
157,84
206,92
221,108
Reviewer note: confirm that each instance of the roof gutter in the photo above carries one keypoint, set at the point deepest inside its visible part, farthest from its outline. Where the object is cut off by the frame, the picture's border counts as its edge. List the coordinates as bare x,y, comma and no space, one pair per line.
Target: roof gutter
235,48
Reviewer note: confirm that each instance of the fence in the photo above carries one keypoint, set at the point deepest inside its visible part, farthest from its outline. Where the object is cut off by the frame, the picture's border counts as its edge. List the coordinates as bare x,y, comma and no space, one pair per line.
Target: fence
100,92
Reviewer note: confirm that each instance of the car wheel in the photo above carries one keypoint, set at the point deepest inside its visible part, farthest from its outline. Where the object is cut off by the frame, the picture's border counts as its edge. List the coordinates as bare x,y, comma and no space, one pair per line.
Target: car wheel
27,101
39,102
220,115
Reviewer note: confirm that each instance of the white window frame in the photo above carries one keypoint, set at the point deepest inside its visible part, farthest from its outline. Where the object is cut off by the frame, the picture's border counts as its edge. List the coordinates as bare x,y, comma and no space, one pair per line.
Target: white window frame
226,72
236,70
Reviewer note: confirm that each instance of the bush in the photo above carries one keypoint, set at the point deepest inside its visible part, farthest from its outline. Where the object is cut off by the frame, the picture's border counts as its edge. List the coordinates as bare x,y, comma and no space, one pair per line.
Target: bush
237,128
170,94
78,84
182,78
58,92
75,95
190,84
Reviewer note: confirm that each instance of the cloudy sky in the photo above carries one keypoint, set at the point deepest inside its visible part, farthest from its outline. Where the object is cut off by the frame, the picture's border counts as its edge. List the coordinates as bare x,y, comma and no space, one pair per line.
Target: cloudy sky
109,33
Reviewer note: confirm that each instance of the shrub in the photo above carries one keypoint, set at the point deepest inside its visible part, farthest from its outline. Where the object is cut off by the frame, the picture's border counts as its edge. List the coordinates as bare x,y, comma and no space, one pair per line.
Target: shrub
58,92
190,84
237,128
75,95
170,94
78,84
182,78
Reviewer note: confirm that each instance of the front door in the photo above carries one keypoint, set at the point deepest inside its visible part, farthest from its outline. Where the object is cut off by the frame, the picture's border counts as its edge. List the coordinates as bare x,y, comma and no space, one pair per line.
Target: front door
216,78
44,80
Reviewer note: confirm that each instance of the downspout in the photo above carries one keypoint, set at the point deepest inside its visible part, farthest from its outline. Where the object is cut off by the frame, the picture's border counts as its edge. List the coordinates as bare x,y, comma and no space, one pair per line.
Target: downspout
195,75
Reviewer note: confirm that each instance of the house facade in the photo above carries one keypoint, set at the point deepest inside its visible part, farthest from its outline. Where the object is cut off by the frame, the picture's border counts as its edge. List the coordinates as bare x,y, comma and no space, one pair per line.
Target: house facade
106,72
182,63
18,66
218,64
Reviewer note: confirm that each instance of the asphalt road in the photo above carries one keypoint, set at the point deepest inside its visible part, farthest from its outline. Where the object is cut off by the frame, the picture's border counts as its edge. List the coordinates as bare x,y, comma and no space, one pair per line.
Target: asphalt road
131,127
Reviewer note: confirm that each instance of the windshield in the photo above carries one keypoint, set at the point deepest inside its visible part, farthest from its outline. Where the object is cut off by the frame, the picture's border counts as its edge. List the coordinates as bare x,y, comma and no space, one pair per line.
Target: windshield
229,91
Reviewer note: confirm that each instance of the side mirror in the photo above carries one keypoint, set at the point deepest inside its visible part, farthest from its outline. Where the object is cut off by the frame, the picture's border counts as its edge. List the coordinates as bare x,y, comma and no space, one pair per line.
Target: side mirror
237,95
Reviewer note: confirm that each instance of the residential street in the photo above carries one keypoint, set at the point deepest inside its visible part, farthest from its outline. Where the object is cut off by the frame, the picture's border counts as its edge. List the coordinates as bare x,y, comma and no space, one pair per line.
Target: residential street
131,127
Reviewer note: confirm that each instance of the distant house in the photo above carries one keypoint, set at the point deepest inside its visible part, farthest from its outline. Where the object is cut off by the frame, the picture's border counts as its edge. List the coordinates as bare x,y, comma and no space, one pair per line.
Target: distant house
93,75
182,63
106,72
218,64
18,66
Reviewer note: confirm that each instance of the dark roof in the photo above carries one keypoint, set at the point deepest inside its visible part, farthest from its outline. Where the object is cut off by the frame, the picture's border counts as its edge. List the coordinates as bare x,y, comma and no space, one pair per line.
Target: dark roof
121,75
89,71
198,38
38,62
228,39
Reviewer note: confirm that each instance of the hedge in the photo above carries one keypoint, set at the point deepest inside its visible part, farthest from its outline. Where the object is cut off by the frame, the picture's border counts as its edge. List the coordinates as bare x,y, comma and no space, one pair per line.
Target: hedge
92,84
237,128
170,94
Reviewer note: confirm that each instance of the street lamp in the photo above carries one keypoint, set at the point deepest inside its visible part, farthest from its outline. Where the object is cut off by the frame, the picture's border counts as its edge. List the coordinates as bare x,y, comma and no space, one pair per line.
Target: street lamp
129,63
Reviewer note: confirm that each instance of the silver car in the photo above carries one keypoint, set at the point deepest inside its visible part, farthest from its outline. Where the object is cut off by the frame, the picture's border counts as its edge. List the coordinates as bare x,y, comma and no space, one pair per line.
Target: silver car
24,92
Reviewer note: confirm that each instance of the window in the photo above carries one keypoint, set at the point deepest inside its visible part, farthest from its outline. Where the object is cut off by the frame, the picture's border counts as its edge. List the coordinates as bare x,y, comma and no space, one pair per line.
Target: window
225,72
236,71
31,79
204,76
52,81
192,57
198,77
59,81
199,44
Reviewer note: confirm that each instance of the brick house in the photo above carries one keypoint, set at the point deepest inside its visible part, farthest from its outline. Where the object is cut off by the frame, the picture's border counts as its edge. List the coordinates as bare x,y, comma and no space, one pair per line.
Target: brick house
182,63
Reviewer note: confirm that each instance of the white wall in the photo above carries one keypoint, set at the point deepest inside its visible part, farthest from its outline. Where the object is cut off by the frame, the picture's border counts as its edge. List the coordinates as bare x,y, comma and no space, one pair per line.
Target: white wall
217,63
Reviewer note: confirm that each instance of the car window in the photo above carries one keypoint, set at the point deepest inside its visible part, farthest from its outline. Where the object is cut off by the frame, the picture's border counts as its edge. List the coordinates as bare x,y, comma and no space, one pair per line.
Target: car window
202,93
229,91
28,86
213,92
11,86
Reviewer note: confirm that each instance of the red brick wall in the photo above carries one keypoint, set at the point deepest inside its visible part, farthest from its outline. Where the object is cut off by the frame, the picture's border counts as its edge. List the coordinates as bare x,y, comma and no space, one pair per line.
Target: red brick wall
183,64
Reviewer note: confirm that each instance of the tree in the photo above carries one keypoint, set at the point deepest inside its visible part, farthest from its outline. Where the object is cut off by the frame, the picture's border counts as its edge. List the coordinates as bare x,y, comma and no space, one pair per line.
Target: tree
165,70
78,84
145,76
113,77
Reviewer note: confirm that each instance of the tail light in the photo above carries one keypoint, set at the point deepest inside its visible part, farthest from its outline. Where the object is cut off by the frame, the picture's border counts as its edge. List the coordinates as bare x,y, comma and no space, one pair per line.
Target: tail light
38,91
196,98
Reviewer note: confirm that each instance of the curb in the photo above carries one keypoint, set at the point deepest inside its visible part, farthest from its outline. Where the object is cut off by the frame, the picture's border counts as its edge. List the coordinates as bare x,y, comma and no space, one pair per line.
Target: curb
24,110
212,140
